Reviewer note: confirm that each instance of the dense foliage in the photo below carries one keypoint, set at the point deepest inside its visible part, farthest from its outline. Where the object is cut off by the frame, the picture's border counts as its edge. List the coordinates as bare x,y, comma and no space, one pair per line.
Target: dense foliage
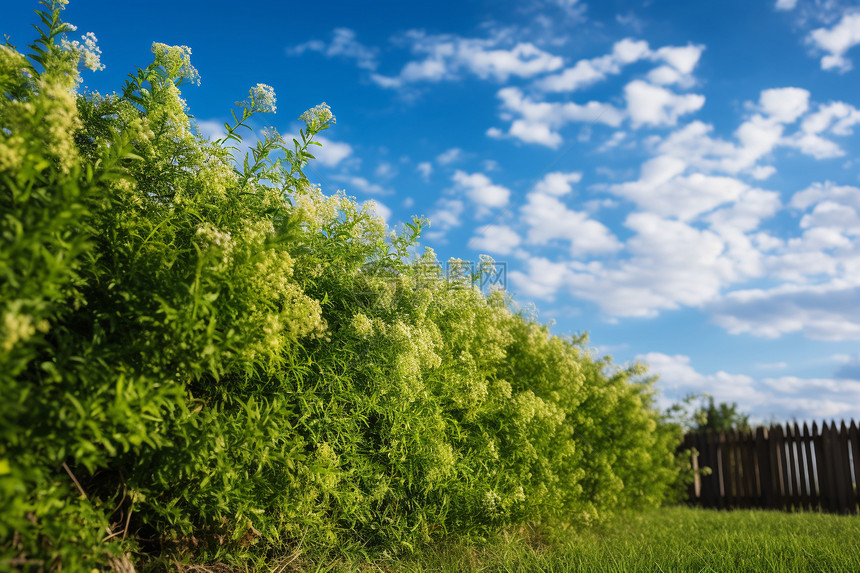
207,356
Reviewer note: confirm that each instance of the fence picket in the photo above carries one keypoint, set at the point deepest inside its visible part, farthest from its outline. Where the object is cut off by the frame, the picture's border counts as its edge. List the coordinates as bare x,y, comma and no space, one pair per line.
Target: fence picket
765,477
847,500
854,436
752,494
812,488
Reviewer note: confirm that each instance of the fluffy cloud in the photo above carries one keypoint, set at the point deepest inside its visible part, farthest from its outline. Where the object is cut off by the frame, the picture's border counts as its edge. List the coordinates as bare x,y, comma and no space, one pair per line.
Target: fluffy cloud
558,183
343,45
677,379
481,190
678,64
821,312
835,117
425,168
682,58
669,264
541,279
786,5
446,215
497,239
836,41
362,184
587,72
539,121
784,105
785,398
764,132
446,56
449,156
332,152
648,104
550,220
663,190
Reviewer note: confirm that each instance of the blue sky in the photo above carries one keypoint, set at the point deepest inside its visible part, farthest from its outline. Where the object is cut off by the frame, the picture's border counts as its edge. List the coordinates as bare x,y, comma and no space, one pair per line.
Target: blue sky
679,179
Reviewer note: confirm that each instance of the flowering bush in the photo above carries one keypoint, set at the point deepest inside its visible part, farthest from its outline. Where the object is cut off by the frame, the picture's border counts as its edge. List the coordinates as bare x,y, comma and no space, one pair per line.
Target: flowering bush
203,355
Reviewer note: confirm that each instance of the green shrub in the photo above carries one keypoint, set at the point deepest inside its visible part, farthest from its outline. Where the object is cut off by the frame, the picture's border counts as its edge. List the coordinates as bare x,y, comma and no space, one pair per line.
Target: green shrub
204,357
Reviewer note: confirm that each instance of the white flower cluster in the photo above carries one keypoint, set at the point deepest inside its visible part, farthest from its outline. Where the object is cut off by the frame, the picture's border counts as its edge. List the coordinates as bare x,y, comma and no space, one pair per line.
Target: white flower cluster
177,61
89,51
318,116
222,241
262,99
492,501
362,325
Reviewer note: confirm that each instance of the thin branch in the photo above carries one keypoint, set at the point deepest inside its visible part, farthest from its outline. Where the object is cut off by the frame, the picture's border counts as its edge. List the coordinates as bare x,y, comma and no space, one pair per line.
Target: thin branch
74,479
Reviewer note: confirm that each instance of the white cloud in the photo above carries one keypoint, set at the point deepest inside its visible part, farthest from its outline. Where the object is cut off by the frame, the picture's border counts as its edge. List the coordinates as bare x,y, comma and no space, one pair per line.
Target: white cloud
757,137
656,106
549,220
822,312
679,63
332,152
677,379
447,55
762,172
362,184
542,278
844,194
532,132
425,168
613,142
783,398
786,4
587,72
539,121
747,211
814,145
343,45
497,239
558,183
445,216
836,117
784,105
836,41
481,190
211,129
670,264
683,58
665,75
449,156
385,170
663,190
573,8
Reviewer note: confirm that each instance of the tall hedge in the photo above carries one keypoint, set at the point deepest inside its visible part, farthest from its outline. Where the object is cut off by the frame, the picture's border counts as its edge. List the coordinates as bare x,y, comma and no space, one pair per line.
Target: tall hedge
203,355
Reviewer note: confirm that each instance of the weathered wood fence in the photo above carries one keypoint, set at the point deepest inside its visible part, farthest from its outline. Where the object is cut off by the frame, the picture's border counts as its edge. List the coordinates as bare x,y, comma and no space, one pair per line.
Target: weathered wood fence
778,468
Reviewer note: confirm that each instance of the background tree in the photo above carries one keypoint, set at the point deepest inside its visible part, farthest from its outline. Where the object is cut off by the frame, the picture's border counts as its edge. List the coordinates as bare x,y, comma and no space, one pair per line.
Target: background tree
722,417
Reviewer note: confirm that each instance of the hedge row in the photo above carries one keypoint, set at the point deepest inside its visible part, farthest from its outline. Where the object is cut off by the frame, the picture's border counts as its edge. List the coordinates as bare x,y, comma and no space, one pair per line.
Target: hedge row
208,356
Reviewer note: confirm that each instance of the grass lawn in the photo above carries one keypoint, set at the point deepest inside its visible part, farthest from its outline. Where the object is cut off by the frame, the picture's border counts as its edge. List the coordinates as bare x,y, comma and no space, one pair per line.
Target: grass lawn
671,539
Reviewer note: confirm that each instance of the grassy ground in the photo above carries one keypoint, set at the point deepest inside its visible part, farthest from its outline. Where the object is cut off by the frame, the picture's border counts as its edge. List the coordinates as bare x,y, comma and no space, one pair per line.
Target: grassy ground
672,539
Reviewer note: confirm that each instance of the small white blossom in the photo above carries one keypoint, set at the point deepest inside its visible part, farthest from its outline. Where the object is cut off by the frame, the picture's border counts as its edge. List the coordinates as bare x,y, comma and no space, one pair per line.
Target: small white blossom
262,99
318,116
176,60
89,51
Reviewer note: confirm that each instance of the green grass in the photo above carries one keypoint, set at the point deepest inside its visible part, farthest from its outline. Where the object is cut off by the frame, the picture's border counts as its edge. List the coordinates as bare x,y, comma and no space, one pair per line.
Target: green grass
669,539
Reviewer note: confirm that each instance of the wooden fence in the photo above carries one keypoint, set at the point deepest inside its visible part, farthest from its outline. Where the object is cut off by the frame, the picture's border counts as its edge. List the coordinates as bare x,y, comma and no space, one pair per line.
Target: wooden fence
778,468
